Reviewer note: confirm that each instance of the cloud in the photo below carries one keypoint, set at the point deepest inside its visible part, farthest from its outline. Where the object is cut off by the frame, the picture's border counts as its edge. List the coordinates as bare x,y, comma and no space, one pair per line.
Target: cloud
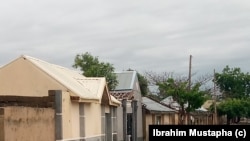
142,35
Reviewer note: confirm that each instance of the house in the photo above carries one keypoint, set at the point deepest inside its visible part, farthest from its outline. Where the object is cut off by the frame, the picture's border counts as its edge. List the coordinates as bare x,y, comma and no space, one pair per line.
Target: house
130,114
199,116
155,113
83,110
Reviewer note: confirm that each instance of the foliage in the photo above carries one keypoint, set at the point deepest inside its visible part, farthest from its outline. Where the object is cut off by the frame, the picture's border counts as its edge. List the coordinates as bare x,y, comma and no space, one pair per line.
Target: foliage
92,67
235,88
182,94
157,78
234,107
143,84
233,83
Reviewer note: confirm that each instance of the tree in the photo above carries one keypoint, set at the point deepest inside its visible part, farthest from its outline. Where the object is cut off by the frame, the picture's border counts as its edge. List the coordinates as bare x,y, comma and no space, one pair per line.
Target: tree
143,84
153,79
183,94
234,108
235,88
156,78
233,83
92,67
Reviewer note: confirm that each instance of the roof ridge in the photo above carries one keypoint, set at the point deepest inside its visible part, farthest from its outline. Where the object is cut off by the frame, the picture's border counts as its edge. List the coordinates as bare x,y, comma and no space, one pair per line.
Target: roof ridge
34,61
40,60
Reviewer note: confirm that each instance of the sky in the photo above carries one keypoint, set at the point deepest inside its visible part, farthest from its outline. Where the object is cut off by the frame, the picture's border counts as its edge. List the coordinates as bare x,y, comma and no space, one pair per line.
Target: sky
143,35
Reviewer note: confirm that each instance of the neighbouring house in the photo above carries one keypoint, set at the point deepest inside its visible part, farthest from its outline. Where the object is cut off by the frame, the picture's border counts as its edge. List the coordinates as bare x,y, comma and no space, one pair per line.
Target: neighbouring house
83,108
216,118
200,116
155,113
129,116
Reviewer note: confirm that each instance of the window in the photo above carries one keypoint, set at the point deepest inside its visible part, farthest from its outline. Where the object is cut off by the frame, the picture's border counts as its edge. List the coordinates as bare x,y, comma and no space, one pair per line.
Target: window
157,119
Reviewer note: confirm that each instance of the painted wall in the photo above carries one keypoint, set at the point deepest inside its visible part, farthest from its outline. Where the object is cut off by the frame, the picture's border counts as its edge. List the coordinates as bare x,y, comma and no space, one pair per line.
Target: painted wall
27,79
70,117
22,78
93,119
1,124
138,97
120,123
27,124
150,119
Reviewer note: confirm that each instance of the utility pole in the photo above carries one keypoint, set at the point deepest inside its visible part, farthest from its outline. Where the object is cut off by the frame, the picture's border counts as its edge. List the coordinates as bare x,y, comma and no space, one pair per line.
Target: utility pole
215,99
189,75
189,85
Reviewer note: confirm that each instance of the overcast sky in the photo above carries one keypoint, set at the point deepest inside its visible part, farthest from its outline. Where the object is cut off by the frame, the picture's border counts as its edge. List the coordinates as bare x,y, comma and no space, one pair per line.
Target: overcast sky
156,35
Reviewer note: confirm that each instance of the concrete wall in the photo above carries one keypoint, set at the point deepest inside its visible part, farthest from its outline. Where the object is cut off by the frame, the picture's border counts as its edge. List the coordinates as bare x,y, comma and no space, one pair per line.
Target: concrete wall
27,124
34,82
70,117
120,123
93,119
149,121
27,79
166,119
138,97
1,124
88,122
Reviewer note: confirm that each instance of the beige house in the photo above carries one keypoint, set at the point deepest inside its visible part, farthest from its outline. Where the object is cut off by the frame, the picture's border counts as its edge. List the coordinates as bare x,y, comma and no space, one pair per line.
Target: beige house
84,109
154,113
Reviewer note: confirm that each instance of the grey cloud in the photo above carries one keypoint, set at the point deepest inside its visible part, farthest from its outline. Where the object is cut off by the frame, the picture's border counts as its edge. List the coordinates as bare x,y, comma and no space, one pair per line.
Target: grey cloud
148,35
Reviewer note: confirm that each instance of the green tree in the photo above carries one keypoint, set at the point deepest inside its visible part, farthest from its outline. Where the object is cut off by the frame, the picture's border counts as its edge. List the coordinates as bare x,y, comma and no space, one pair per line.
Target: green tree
183,94
92,67
233,83
234,108
143,84
235,88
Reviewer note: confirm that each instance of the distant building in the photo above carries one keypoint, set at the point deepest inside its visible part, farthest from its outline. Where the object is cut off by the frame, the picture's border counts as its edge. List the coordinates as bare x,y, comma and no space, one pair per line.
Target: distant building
128,88
199,116
155,113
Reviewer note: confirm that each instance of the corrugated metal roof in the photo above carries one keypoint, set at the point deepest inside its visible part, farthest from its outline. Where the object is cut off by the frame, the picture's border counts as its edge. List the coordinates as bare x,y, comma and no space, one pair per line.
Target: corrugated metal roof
84,87
170,102
174,104
125,80
152,105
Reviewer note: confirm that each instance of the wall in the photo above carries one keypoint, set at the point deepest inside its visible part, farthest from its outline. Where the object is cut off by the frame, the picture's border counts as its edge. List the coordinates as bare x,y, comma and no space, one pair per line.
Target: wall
28,124
69,109
31,80
149,121
93,120
137,93
120,123
1,124
92,114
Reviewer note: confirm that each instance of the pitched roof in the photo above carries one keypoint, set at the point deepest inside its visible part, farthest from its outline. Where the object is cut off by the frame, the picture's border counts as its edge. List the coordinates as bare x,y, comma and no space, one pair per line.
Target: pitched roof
89,88
154,106
126,80
170,102
174,104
